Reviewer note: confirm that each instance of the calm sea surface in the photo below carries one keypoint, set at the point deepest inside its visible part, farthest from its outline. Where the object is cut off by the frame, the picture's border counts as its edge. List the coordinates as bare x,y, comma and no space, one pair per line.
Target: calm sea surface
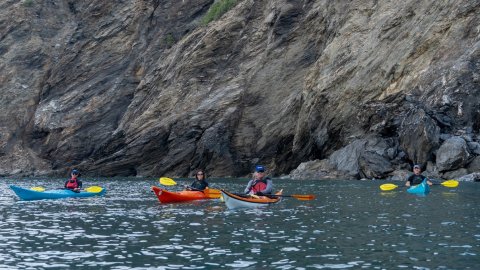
351,224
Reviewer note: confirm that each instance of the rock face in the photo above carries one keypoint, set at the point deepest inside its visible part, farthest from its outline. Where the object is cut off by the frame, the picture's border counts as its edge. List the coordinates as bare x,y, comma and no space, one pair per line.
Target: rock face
142,88
453,154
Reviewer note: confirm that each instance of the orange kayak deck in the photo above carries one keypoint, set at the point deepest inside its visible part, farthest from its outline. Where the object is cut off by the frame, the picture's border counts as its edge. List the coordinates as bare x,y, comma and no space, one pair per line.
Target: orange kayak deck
165,196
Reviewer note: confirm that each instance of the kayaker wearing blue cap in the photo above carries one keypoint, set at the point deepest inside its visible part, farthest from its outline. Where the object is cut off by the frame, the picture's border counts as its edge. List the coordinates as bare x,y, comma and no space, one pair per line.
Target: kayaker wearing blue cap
74,183
200,182
416,178
259,185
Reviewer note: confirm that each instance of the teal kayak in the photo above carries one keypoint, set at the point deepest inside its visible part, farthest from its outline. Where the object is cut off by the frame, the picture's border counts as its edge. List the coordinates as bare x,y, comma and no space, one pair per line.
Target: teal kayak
422,188
28,194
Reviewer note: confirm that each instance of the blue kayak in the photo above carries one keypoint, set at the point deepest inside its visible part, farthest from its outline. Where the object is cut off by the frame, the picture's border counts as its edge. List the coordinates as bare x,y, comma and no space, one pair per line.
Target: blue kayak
28,194
422,188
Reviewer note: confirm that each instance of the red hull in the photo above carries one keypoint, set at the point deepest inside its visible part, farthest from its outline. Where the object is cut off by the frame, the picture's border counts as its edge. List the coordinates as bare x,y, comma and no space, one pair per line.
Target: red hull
165,196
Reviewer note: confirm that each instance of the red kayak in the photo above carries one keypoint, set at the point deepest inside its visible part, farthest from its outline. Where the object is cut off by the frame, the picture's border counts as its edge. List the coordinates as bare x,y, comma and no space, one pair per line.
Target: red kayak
165,196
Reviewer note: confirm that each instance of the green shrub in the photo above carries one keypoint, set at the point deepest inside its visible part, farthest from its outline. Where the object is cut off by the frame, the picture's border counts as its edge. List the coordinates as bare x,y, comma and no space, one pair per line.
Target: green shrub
216,10
169,40
27,3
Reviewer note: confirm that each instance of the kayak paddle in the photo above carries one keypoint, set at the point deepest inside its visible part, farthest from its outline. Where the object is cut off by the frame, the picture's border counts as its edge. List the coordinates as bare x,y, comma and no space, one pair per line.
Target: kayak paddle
448,183
209,192
300,197
306,197
94,189
167,181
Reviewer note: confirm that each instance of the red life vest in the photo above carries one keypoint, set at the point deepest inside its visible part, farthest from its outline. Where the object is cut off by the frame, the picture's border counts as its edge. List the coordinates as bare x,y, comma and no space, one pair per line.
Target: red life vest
259,185
72,185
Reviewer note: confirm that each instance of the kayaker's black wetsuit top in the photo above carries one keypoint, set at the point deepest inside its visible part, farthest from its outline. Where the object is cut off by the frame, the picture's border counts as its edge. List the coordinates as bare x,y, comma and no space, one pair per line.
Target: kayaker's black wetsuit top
199,185
415,179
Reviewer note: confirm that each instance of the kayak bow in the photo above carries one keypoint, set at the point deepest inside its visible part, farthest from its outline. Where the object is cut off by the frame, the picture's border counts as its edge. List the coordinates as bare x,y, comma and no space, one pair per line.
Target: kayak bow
422,188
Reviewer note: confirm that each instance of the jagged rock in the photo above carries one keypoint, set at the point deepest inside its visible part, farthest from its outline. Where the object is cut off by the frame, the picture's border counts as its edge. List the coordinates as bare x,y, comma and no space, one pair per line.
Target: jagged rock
455,173
346,159
474,165
473,177
373,165
316,169
419,136
452,154
432,170
142,88
399,175
474,147
366,158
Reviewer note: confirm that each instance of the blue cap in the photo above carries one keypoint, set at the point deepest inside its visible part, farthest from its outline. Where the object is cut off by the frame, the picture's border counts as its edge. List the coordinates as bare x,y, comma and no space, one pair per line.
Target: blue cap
259,168
75,171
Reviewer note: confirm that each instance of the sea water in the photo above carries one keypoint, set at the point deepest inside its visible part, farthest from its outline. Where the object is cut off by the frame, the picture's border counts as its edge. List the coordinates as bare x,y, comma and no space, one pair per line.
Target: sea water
350,224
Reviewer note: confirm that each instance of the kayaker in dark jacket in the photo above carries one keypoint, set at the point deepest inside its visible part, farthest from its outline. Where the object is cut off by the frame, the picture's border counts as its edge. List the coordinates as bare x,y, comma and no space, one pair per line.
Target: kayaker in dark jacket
200,182
74,183
416,178
259,185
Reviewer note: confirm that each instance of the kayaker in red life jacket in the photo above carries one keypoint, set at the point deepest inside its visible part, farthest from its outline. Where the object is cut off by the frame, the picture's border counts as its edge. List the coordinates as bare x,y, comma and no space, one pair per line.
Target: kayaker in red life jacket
416,178
259,185
74,183
200,182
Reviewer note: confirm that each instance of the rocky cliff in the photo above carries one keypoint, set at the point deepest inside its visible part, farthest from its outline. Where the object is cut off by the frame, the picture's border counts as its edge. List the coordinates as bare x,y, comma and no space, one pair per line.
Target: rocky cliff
357,89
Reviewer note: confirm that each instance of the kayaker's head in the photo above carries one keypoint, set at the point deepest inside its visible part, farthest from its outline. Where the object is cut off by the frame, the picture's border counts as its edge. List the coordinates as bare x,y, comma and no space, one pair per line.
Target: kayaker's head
417,169
75,173
259,172
200,175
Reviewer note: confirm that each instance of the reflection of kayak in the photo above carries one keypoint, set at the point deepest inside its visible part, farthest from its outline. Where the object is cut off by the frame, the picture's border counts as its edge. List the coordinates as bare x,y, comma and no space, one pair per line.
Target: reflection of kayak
421,188
246,201
165,196
28,194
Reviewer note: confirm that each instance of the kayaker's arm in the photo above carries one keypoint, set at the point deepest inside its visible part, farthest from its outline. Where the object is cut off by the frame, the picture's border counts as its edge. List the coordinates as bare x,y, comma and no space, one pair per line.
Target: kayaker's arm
409,180
249,186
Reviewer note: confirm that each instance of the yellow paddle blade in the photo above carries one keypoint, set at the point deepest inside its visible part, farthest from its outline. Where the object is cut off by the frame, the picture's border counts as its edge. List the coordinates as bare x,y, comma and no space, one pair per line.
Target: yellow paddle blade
450,183
167,181
212,193
386,187
39,189
94,189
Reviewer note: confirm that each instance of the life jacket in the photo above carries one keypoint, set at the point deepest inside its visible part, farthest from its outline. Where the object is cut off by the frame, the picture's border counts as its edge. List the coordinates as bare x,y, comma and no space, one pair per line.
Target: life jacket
259,185
72,185
200,185
416,179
